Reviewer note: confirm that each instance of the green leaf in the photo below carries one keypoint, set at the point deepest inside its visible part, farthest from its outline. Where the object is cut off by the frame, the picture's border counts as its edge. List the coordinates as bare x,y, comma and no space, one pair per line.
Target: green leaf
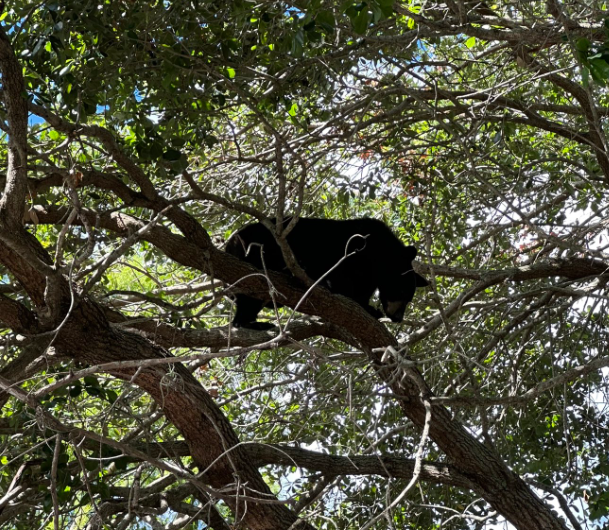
471,42
157,150
298,43
386,7
586,77
309,26
39,46
65,69
360,23
210,140
56,43
326,21
352,11
172,155
599,68
93,391
377,13
582,45
91,380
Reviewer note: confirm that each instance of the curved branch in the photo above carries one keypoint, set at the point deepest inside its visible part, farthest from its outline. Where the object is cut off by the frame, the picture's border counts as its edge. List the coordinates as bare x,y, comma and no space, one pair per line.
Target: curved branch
335,465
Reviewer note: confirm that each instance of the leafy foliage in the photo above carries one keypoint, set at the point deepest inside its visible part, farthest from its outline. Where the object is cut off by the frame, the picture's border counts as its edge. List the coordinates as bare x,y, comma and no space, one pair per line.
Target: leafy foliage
476,130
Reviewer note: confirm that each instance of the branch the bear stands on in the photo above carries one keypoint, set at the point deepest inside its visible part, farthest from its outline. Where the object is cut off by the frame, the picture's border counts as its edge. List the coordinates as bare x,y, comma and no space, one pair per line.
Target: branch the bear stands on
372,258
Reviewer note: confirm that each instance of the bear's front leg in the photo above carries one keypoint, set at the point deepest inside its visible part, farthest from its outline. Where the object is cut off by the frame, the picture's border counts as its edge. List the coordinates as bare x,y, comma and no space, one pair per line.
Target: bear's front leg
247,312
374,311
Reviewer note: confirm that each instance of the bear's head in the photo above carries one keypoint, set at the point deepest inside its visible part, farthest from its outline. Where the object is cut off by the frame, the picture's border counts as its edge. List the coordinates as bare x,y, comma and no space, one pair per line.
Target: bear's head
398,288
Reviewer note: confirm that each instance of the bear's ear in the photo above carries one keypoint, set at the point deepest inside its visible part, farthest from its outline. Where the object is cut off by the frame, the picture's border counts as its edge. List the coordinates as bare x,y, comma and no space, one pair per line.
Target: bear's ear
420,281
410,253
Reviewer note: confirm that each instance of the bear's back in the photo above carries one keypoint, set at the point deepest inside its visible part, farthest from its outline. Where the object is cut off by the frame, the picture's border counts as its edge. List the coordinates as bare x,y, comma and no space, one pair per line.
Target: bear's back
319,244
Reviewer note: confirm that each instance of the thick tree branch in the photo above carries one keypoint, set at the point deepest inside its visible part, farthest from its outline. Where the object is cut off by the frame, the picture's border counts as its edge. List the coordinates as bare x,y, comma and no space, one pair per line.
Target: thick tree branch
19,250
335,465
570,268
16,316
15,189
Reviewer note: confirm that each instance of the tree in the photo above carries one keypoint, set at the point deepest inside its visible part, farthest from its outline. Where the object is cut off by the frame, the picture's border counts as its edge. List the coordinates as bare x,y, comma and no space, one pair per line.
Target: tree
139,136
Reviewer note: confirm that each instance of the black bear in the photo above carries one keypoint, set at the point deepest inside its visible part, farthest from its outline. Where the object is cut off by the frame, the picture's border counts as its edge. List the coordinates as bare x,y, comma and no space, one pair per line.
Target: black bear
378,260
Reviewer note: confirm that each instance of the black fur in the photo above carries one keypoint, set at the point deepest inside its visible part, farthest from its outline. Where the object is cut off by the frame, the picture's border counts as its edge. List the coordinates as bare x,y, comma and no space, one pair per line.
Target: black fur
379,261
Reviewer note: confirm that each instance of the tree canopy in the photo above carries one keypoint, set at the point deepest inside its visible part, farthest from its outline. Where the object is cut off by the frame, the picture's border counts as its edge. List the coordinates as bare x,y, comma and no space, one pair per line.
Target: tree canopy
138,136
